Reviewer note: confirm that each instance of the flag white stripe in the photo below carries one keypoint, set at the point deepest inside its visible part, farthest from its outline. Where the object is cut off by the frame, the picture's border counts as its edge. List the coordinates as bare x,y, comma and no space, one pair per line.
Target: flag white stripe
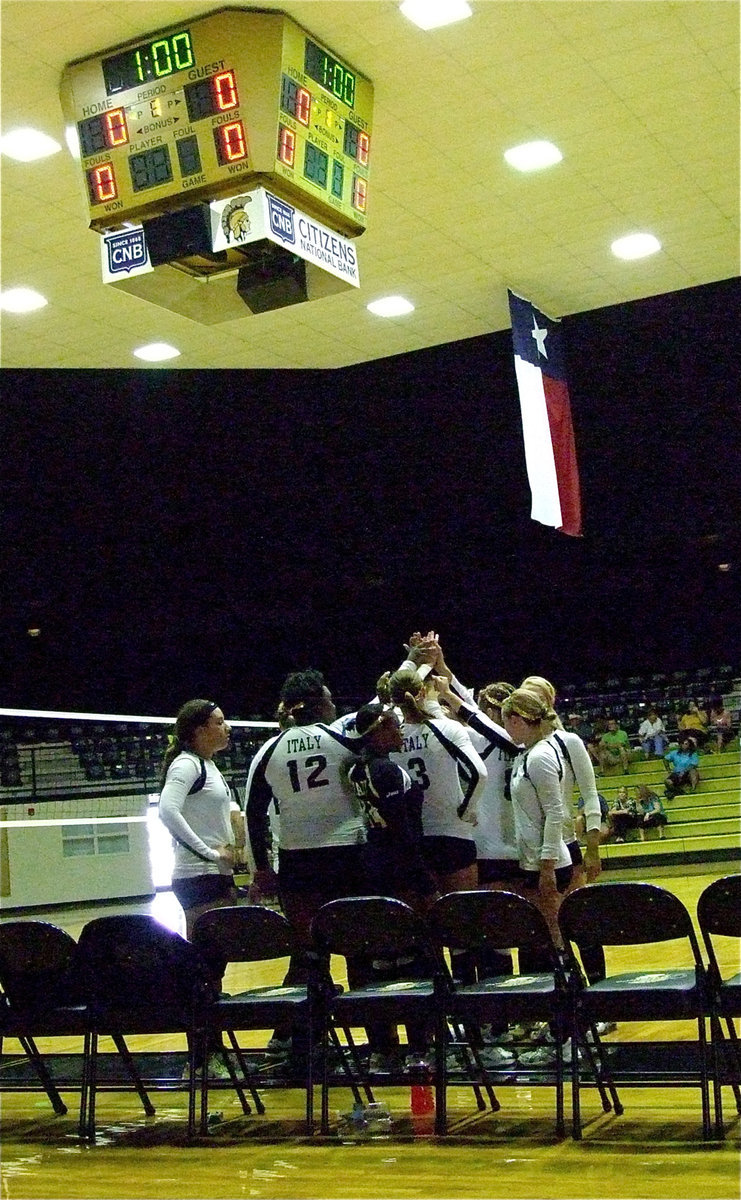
539,458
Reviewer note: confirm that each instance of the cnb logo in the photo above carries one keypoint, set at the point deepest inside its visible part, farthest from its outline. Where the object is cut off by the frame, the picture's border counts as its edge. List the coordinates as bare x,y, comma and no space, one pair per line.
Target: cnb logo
281,219
126,250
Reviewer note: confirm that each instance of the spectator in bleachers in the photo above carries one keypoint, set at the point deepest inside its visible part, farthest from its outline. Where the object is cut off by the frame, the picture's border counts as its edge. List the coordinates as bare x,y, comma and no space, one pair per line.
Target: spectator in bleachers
684,766
651,812
579,725
652,734
614,747
695,722
598,728
623,815
720,725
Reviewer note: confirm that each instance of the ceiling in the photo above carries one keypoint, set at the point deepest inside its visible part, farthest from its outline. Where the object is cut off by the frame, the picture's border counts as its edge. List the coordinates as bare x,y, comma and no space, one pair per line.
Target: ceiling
642,99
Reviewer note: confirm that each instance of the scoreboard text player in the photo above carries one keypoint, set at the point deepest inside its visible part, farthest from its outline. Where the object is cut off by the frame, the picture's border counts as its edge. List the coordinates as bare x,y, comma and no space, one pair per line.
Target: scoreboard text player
210,106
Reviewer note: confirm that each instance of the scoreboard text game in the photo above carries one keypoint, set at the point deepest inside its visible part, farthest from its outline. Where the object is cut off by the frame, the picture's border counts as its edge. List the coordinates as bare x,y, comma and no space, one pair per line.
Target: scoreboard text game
209,106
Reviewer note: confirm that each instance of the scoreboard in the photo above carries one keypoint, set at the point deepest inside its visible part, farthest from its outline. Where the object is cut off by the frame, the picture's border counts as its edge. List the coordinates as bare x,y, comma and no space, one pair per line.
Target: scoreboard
205,108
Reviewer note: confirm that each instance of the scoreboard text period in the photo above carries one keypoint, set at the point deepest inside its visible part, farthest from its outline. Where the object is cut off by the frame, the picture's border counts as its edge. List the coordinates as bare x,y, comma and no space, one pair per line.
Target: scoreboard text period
204,108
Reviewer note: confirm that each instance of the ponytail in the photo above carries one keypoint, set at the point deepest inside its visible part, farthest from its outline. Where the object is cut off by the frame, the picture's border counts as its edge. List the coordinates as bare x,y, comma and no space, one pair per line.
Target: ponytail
191,717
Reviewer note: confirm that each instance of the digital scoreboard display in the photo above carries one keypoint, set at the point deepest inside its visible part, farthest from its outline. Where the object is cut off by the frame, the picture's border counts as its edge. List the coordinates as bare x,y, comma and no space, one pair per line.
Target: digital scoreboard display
213,105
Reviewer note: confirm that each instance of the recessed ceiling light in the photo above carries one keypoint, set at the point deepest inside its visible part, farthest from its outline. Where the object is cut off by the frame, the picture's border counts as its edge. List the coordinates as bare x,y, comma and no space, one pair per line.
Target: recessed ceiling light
26,145
533,156
635,245
431,14
21,300
156,352
390,306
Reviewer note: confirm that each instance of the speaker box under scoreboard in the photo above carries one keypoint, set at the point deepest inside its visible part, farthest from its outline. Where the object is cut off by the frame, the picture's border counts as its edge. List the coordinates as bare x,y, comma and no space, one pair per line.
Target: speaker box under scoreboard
180,235
272,278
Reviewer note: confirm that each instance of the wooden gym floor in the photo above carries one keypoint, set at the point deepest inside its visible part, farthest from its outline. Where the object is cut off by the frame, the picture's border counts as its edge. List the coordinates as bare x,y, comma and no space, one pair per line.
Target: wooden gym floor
654,1151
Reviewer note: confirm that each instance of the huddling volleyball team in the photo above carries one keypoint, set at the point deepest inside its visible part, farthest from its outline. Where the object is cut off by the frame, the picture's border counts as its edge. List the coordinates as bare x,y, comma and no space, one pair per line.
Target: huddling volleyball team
425,790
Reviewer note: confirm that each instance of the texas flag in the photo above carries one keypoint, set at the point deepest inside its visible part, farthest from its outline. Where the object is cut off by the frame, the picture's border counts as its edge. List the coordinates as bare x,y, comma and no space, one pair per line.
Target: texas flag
550,452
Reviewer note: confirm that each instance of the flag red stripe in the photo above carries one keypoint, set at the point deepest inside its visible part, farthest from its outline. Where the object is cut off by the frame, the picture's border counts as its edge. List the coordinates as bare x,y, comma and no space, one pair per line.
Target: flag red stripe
564,452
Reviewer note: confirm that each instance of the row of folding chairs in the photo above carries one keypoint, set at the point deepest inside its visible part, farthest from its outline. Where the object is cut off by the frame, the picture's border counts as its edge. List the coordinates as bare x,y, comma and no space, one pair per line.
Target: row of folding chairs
129,976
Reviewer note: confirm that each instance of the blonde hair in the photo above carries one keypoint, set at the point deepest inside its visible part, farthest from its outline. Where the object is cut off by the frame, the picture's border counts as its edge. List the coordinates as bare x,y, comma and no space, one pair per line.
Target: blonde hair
545,689
528,705
404,688
492,694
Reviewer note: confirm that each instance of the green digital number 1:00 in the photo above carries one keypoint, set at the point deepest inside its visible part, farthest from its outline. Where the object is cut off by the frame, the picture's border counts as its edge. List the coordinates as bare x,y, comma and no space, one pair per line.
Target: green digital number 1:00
153,60
330,73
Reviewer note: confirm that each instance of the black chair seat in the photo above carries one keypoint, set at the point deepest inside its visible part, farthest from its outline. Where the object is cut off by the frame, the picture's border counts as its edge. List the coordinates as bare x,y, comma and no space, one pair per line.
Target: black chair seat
644,996
263,1004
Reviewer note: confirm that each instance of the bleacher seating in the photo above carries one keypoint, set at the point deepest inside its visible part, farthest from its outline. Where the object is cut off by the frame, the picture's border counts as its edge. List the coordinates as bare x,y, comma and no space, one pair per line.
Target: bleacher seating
73,758
702,825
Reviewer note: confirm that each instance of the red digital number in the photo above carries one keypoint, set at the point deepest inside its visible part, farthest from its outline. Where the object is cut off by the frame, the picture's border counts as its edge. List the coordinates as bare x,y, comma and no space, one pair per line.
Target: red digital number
116,131
231,142
287,146
359,193
303,106
363,148
225,91
102,184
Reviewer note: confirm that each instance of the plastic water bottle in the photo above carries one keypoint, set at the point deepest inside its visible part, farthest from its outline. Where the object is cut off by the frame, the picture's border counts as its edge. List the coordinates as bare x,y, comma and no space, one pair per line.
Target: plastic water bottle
422,1099
364,1121
352,1126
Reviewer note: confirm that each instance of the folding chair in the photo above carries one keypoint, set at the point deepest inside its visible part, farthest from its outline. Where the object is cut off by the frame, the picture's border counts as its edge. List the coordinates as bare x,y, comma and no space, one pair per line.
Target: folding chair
719,914
637,914
367,929
139,978
40,999
252,934
481,921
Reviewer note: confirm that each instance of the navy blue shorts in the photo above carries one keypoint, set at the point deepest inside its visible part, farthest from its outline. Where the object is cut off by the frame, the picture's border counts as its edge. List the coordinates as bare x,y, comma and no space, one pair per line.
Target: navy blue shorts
444,855
530,879
332,871
203,889
494,870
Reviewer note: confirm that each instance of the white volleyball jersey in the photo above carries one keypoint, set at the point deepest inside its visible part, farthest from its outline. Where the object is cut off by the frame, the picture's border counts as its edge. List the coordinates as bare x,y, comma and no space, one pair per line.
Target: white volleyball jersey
537,796
198,821
494,830
578,770
439,754
303,769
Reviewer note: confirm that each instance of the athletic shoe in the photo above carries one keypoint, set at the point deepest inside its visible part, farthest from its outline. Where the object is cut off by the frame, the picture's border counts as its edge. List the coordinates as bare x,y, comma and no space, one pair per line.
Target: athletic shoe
217,1069
604,1027
545,1056
382,1064
455,1062
497,1058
